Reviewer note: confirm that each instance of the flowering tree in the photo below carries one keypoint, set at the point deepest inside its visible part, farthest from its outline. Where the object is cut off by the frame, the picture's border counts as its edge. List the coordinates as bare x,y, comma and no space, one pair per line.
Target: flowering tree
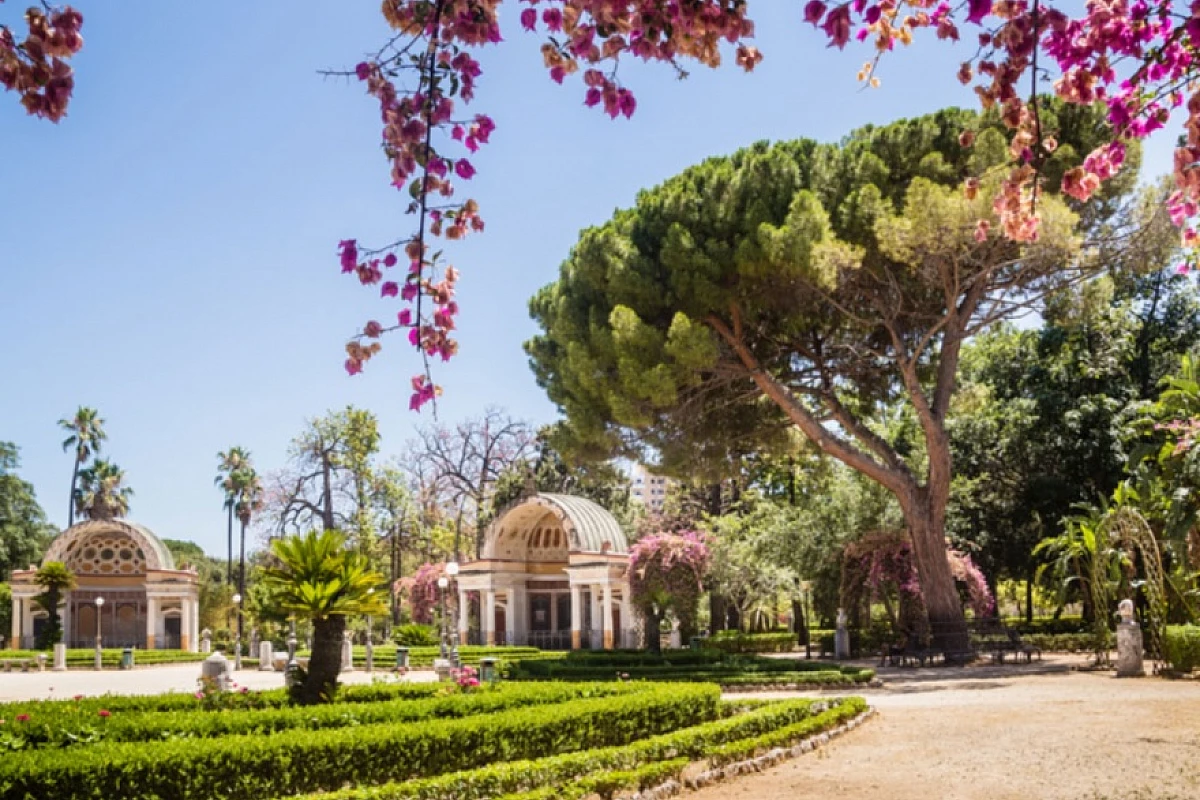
36,66
424,75
422,590
666,573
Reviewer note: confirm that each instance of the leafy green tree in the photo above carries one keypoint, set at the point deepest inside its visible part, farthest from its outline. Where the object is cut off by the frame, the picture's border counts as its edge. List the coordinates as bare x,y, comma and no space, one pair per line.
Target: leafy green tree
87,434
55,579
319,579
24,532
812,284
743,569
102,491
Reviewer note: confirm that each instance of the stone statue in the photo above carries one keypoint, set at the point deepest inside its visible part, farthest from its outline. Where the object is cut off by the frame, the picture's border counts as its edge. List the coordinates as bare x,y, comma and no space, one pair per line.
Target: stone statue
206,641
1125,610
348,652
1129,642
841,637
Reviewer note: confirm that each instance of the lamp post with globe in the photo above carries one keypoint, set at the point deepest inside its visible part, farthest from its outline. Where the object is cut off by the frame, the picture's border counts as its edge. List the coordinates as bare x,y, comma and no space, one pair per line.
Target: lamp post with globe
99,654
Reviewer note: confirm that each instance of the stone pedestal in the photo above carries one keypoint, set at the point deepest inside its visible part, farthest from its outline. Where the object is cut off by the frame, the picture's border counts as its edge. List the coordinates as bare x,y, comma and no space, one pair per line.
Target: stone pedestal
60,657
215,669
1129,650
254,642
206,641
348,652
841,637
266,657
441,666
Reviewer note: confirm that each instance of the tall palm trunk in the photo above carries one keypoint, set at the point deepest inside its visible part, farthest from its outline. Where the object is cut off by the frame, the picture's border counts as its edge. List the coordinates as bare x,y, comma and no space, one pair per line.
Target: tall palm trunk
74,483
242,583
229,552
325,662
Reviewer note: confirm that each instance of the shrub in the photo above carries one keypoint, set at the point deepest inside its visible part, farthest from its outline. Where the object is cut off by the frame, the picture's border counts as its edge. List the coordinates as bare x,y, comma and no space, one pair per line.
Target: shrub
747,748
1182,644
735,642
304,761
690,665
415,635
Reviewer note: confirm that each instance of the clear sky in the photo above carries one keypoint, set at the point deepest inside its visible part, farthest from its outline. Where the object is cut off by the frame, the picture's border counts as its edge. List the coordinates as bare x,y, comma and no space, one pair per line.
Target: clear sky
168,252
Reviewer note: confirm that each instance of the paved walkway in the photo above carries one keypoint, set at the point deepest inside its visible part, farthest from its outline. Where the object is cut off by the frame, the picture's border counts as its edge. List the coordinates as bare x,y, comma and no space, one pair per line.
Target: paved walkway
151,680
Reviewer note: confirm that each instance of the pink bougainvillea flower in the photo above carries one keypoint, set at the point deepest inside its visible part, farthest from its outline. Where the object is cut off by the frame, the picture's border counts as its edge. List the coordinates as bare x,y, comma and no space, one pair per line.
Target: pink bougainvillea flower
813,11
404,317
390,260
463,169
389,289
363,70
529,19
977,10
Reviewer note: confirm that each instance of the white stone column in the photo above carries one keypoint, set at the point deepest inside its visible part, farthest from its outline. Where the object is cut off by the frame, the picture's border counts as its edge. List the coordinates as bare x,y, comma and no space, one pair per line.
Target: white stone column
195,624
488,613
464,616
606,615
597,619
576,617
14,641
627,625
27,618
152,606
185,624
510,616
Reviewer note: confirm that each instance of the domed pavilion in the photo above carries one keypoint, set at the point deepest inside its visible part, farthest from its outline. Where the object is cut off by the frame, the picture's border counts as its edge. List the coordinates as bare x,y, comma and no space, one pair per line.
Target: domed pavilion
147,603
553,573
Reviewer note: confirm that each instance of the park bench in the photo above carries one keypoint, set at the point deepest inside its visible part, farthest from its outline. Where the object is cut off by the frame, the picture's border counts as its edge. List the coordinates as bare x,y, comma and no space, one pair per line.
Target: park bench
24,664
1021,648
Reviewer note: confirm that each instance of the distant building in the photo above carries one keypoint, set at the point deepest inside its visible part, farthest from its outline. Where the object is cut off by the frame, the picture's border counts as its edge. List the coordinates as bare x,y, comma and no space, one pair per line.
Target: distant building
649,489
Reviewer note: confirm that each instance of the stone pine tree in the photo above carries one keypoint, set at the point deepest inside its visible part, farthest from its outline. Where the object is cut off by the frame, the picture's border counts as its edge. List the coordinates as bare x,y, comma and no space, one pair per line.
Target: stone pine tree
813,284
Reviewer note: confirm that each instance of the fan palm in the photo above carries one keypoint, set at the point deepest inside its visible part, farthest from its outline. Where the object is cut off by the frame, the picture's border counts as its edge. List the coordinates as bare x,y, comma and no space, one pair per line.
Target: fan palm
319,579
248,493
102,492
229,462
87,433
54,578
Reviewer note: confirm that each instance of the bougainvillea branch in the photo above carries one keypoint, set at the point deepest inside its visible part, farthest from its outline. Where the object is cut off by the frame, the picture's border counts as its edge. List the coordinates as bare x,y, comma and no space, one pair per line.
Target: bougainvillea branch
1138,57
36,67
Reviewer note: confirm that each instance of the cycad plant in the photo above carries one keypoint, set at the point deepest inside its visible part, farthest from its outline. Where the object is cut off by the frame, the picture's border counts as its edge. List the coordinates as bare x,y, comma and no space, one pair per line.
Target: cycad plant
319,579
55,579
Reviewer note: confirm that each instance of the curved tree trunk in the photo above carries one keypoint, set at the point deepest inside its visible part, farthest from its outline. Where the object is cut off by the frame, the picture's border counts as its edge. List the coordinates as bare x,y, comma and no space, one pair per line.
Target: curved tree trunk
325,662
946,621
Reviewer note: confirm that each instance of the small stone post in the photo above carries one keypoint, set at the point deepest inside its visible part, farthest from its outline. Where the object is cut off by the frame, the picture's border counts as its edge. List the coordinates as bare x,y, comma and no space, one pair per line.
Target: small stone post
841,637
206,641
1129,643
266,657
254,640
348,652
215,669
60,657
370,648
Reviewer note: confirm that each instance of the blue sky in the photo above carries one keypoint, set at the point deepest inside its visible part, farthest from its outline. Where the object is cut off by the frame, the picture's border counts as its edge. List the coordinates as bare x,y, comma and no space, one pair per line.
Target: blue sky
169,250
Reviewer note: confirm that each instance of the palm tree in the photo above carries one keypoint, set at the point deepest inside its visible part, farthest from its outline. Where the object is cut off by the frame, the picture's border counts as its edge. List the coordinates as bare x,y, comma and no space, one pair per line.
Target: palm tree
248,489
229,463
102,492
87,432
55,578
319,579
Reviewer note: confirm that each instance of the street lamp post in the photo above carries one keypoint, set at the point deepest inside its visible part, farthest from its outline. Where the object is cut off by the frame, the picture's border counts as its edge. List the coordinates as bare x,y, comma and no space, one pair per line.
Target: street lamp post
237,648
99,654
370,639
452,571
442,583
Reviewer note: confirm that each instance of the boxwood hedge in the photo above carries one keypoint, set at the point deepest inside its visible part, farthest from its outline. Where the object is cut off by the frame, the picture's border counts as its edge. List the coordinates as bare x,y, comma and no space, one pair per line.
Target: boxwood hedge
298,761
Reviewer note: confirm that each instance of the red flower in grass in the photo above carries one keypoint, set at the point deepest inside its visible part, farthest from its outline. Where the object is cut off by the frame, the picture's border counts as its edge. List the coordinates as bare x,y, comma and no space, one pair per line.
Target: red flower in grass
104,712
22,718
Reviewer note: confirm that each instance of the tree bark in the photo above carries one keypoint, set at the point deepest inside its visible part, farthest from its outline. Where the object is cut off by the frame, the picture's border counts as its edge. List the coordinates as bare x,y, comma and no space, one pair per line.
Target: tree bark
229,557
327,493
654,630
946,620
1029,597
325,662
716,612
74,483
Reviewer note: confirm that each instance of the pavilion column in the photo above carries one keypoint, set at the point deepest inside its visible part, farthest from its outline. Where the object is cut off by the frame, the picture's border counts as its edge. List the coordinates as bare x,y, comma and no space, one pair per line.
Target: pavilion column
576,617
626,618
597,618
606,617
510,616
195,640
14,641
185,624
488,623
27,618
152,604
464,615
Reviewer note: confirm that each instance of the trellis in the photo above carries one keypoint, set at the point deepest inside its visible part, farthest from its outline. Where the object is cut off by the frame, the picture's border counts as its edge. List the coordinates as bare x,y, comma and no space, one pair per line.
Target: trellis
1126,528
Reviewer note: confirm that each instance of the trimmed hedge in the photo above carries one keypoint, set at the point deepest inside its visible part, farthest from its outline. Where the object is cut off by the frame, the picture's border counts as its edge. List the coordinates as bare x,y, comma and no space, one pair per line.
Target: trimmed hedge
736,642
1182,644
559,772
701,665
608,783
304,761
109,657
780,737
72,726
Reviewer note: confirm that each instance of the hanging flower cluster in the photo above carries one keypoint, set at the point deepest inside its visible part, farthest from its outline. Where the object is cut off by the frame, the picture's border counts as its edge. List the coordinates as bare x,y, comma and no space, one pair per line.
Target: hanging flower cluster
422,591
666,571
36,67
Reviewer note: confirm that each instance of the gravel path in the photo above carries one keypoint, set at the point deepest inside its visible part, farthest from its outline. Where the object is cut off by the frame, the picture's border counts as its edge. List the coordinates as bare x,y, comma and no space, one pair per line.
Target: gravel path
987,734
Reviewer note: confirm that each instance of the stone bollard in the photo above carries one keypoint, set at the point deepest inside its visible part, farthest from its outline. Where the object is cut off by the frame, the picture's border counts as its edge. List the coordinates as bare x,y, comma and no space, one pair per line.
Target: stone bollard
215,670
60,657
41,662
348,652
441,666
266,657
206,641
254,640
1129,643
841,637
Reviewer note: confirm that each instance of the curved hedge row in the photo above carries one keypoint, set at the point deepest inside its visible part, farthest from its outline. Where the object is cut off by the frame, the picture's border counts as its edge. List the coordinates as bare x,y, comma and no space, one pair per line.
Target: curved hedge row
727,670
304,761
555,775
67,727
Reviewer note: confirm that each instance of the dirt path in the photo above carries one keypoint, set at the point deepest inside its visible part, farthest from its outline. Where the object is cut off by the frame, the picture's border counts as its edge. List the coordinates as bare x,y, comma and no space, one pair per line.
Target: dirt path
1074,736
